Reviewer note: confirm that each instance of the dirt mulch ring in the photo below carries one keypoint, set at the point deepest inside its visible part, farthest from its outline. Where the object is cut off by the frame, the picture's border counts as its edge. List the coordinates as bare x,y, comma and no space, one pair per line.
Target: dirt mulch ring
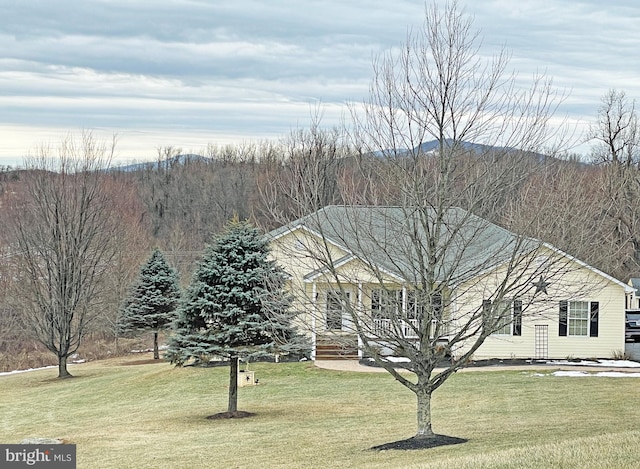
238,414
420,443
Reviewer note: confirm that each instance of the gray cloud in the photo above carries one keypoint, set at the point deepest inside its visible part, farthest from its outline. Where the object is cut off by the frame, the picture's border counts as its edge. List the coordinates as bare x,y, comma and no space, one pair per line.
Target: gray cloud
213,71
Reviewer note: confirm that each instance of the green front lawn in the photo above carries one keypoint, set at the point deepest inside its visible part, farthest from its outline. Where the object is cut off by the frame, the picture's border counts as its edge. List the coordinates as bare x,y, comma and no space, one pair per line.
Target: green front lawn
153,415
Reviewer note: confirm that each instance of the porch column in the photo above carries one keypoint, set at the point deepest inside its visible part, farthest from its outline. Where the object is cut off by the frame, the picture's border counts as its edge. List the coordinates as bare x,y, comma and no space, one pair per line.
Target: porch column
314,298
404,312
404,300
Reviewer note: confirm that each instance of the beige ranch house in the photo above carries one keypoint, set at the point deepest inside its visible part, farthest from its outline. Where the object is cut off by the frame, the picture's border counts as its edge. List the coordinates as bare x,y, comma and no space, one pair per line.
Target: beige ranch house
354,273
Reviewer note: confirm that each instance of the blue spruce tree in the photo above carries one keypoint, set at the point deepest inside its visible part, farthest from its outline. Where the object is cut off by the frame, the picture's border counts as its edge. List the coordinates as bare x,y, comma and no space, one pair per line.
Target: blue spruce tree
152,302
235,308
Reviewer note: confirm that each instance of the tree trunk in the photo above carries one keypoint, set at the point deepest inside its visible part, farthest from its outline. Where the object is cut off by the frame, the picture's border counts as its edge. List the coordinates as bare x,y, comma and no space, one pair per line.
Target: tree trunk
62,367
233,385
156,355
424,414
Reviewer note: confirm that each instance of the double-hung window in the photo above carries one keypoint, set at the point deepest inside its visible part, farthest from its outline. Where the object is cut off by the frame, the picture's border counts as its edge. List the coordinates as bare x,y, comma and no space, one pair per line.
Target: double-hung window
579,318
416,302
504,316
386,304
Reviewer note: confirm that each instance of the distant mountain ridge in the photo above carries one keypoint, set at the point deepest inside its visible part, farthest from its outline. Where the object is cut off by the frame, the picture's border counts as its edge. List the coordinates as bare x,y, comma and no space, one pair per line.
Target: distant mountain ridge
428,148
181,159
431,147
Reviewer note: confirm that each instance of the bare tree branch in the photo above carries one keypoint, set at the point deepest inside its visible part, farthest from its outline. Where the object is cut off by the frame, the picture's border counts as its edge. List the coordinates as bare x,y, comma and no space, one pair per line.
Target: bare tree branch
63,241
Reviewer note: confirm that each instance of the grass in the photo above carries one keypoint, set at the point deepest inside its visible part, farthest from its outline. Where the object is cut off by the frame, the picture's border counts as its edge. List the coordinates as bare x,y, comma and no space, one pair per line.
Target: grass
124,415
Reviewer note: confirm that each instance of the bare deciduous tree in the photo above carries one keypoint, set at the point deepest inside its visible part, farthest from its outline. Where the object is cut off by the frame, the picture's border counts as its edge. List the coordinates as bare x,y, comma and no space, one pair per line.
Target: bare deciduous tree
616,131
565,203
438,87
190,197
132,235
617,136
310,168
63,241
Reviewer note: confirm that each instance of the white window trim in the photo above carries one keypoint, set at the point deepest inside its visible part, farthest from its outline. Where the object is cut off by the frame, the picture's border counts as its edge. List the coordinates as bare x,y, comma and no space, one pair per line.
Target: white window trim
587,320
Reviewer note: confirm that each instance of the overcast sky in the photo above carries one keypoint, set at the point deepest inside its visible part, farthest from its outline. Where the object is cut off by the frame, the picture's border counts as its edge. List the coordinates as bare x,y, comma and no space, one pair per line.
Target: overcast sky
190,72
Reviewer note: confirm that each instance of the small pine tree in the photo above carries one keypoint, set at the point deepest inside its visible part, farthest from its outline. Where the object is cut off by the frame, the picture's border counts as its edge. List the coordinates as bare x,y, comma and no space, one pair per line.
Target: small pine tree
153,300
236,306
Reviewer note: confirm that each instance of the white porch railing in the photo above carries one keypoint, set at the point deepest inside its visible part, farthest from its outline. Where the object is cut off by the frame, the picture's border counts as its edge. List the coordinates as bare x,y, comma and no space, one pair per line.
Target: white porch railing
384,327
409,327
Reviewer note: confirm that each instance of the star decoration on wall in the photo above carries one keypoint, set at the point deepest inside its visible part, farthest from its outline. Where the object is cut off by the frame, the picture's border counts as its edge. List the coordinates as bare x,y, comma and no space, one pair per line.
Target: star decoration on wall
541,285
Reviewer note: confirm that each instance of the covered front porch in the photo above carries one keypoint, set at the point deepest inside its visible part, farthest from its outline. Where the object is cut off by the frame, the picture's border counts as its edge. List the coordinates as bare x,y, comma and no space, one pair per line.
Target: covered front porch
387,311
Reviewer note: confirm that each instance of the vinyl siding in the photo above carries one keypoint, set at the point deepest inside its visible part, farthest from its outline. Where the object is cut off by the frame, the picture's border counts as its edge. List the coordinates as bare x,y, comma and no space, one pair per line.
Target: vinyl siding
579,284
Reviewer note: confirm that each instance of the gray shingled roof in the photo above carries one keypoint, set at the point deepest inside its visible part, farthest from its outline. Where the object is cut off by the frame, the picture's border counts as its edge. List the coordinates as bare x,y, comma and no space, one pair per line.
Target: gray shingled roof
395,238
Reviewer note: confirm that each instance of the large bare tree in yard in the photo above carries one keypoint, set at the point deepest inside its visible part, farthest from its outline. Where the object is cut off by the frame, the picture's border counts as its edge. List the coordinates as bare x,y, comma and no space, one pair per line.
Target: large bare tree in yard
63,245
446,134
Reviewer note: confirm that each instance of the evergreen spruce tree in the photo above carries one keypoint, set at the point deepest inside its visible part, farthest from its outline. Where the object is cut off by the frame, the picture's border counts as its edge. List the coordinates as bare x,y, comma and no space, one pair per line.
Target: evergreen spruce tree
235,308
153,300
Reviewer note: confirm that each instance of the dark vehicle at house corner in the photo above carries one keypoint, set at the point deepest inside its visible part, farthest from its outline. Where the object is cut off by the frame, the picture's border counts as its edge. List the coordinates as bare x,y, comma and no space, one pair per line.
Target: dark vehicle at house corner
632,326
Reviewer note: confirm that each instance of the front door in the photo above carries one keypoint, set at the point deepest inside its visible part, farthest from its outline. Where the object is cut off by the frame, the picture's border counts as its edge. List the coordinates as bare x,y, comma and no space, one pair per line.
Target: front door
337,313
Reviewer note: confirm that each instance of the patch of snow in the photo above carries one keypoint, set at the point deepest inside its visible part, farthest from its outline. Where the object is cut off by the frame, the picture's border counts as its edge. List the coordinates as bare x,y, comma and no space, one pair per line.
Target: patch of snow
606,363
398,359
392,359
620,363
14,372
604,374
572,374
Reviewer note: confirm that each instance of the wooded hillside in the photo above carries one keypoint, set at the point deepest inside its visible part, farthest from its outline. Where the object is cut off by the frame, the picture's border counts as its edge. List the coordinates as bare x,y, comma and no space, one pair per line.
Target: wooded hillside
178,204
